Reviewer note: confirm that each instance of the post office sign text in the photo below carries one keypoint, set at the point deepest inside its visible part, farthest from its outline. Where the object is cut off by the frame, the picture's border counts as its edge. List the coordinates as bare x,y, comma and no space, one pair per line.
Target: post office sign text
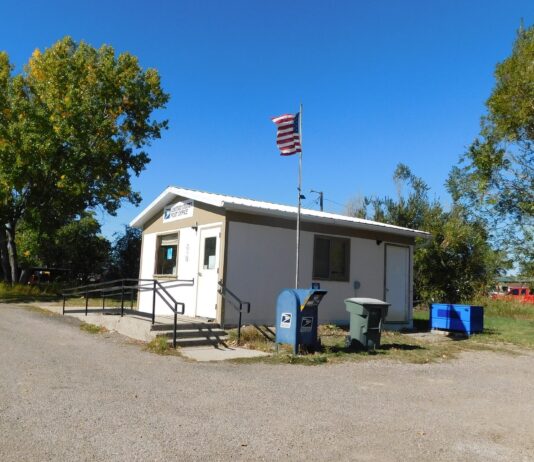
178,211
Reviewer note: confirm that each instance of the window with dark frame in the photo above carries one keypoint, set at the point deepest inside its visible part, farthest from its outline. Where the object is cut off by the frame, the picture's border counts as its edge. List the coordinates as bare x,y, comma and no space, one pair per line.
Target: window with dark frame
331,258
167,255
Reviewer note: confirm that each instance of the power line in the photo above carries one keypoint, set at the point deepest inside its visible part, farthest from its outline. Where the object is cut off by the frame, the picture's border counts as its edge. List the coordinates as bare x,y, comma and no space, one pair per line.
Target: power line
337,203
321,199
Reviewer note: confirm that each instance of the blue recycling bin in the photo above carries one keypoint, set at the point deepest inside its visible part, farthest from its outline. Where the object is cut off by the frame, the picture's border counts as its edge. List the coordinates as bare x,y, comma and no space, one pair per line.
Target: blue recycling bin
297,317
457,318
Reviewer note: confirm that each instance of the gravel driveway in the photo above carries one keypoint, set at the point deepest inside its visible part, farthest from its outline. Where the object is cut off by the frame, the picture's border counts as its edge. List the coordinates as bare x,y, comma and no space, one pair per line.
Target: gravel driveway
68,395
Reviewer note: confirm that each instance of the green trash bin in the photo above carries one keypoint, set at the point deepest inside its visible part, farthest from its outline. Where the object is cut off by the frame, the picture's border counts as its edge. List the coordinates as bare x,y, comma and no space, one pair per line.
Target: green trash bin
366,317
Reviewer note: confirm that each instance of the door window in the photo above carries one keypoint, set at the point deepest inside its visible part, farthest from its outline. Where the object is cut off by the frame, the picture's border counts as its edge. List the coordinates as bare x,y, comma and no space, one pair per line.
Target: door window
210,244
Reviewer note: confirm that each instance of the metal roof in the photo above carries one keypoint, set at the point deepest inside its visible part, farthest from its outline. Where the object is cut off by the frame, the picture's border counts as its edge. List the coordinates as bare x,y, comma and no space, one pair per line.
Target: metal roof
241,204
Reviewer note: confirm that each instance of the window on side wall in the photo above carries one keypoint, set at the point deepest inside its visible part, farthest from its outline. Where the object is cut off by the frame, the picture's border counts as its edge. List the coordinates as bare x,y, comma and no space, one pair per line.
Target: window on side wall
331,258
167,255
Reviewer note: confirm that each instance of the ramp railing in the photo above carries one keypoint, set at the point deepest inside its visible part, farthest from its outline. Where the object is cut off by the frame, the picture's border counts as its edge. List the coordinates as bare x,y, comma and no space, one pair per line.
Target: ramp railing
128,286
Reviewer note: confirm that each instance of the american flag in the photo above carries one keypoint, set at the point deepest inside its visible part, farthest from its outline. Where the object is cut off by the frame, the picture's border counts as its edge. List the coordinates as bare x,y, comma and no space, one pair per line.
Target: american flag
288,136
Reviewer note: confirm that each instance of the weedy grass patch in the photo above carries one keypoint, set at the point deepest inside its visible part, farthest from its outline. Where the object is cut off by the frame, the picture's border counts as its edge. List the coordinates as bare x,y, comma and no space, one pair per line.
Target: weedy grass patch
79,301
25,293
253,337
503,308
334,349
515,331
505,321
92,328
160,346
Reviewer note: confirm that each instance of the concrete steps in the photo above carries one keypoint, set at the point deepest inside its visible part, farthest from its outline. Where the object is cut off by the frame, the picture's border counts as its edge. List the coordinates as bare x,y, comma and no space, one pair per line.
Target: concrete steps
192,333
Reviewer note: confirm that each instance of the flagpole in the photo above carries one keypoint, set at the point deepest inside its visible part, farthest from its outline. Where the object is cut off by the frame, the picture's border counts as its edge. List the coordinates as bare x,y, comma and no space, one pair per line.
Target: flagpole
299,200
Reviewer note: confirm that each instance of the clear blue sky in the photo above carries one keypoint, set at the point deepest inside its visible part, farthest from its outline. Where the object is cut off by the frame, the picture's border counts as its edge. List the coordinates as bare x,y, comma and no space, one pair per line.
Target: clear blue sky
382,82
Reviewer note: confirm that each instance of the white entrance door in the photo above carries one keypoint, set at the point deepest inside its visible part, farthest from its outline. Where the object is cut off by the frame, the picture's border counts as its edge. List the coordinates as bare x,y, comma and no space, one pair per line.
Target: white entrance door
397,283
208,272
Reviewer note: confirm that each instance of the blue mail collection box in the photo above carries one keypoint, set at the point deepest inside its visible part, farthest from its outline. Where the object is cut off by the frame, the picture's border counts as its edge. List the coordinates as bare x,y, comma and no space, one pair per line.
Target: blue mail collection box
458,318
297,317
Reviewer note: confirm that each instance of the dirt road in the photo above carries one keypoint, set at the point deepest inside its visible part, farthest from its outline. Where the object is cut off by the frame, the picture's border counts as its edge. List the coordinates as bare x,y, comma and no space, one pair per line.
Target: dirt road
69,395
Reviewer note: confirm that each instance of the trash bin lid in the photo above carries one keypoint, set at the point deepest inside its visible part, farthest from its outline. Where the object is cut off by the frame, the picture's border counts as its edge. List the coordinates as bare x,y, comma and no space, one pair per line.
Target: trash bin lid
366,301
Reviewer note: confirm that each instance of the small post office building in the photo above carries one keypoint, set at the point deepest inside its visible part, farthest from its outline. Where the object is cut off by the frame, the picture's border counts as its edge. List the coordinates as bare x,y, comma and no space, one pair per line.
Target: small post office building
193,242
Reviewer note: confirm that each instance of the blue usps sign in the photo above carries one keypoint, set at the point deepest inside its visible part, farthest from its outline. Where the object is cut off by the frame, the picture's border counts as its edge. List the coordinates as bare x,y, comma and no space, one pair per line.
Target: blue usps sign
306,324
285,321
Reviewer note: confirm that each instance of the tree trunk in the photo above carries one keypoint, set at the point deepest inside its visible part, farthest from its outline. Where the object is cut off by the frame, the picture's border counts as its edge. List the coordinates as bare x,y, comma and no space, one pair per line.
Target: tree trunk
4,259
12,251
24,276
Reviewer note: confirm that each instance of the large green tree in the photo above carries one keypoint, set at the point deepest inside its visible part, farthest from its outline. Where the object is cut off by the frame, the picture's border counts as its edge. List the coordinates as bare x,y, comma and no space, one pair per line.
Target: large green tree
73,128
456,262
495,178
77,246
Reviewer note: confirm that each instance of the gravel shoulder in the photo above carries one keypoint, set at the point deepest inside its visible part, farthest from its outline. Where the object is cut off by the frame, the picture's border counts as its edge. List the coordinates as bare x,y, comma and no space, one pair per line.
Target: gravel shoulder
69,395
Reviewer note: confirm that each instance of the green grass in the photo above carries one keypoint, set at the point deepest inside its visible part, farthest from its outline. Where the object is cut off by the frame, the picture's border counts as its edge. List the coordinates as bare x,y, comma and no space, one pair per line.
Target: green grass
505,323
515,331
96,302
24,293
92,328
505,308
253,337
160,346
395,346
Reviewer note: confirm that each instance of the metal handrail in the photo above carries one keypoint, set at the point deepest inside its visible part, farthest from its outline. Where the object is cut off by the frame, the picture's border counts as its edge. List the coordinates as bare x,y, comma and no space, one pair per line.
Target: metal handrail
236,303
105,290
98,284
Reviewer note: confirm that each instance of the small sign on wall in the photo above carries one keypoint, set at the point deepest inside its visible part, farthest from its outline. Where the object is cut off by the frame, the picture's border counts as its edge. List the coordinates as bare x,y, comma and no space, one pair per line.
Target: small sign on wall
306,324
285,321
178,211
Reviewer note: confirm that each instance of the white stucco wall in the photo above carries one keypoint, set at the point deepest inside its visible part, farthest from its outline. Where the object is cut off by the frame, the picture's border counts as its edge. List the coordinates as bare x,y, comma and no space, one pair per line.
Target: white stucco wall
261,262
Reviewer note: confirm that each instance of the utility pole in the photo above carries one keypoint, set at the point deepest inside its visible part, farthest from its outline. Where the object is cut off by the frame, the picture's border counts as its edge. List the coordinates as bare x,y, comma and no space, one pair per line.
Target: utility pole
321,194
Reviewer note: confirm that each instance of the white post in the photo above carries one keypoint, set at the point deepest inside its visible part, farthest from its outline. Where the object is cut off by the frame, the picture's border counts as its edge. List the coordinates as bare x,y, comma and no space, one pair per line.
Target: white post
299,199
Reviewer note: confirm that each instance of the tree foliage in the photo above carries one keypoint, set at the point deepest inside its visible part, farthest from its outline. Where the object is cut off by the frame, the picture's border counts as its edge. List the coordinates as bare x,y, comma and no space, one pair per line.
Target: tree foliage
495,179
77,246
80,248
125,255
456,261
73,128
